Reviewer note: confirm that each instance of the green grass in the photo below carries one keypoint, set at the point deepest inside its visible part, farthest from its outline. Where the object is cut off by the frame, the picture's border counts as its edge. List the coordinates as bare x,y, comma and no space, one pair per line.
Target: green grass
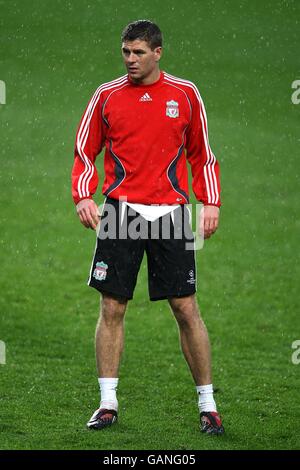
243,56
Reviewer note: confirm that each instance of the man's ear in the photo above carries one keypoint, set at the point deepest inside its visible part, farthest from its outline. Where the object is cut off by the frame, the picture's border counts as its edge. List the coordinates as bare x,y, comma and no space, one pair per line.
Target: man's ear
158,53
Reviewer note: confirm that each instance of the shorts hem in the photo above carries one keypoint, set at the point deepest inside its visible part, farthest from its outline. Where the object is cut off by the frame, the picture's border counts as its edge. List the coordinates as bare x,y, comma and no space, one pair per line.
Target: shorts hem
110,291
168,296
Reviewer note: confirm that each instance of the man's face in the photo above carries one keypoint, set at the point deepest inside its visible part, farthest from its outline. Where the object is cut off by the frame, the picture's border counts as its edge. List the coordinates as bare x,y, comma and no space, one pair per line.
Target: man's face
140,60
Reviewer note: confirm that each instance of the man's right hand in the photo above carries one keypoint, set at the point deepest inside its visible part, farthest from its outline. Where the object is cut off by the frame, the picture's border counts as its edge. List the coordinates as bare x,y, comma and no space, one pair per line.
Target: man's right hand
87,211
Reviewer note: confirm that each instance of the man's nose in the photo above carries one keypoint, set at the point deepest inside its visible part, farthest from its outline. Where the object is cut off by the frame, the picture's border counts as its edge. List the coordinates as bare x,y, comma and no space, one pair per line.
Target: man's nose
132,57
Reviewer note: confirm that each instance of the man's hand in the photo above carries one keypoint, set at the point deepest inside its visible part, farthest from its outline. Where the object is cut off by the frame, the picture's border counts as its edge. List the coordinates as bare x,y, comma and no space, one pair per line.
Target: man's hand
209,220
87,211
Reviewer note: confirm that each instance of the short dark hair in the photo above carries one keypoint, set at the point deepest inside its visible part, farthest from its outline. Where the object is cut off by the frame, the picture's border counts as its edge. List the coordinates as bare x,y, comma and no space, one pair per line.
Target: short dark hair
144,30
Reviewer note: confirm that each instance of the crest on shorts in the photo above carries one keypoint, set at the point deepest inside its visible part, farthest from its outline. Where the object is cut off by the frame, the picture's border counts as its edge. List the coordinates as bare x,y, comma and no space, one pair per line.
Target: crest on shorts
100,271
172,109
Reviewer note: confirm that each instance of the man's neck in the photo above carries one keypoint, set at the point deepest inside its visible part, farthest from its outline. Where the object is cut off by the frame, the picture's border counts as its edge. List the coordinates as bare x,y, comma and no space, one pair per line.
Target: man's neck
150,79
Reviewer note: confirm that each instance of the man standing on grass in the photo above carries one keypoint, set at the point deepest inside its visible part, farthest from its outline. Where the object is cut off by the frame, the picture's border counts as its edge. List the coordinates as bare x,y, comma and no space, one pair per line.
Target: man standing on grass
151,123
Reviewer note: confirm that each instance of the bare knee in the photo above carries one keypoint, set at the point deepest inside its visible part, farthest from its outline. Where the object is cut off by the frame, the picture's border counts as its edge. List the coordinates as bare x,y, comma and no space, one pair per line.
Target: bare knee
186,311
112,309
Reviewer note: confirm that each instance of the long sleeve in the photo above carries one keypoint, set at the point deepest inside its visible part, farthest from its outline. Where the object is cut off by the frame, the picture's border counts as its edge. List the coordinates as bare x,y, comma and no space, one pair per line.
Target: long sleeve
204,165
90,138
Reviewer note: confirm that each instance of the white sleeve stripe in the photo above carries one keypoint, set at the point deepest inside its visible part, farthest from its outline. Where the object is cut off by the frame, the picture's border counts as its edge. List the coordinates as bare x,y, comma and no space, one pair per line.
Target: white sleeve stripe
215,180
206,182
82,131
213,162
210,161
87,174
83,134
209,167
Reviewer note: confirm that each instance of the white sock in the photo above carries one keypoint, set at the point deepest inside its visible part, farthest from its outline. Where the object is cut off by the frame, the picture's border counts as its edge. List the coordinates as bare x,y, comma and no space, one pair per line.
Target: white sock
108,389
206,400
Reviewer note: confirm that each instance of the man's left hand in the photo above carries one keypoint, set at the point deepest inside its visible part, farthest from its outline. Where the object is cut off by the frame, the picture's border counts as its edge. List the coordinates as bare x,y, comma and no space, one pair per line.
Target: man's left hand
209,220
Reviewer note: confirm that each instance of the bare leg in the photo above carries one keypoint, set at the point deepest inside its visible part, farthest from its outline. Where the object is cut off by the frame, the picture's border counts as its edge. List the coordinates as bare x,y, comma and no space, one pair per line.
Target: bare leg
110,336
193,337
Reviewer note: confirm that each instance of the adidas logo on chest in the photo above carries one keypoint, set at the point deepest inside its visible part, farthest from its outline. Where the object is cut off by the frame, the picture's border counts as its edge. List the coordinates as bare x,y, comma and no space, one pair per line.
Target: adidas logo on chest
145,97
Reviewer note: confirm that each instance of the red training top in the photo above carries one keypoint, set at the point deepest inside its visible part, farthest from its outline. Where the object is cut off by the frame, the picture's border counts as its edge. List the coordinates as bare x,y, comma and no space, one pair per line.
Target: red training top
149,132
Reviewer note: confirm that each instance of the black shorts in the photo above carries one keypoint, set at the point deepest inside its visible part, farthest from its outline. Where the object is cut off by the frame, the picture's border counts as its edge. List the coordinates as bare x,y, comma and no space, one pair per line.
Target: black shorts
124,237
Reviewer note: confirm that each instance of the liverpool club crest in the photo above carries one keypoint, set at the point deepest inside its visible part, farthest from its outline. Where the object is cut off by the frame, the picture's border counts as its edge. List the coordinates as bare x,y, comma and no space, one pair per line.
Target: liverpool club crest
172,109
100,271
